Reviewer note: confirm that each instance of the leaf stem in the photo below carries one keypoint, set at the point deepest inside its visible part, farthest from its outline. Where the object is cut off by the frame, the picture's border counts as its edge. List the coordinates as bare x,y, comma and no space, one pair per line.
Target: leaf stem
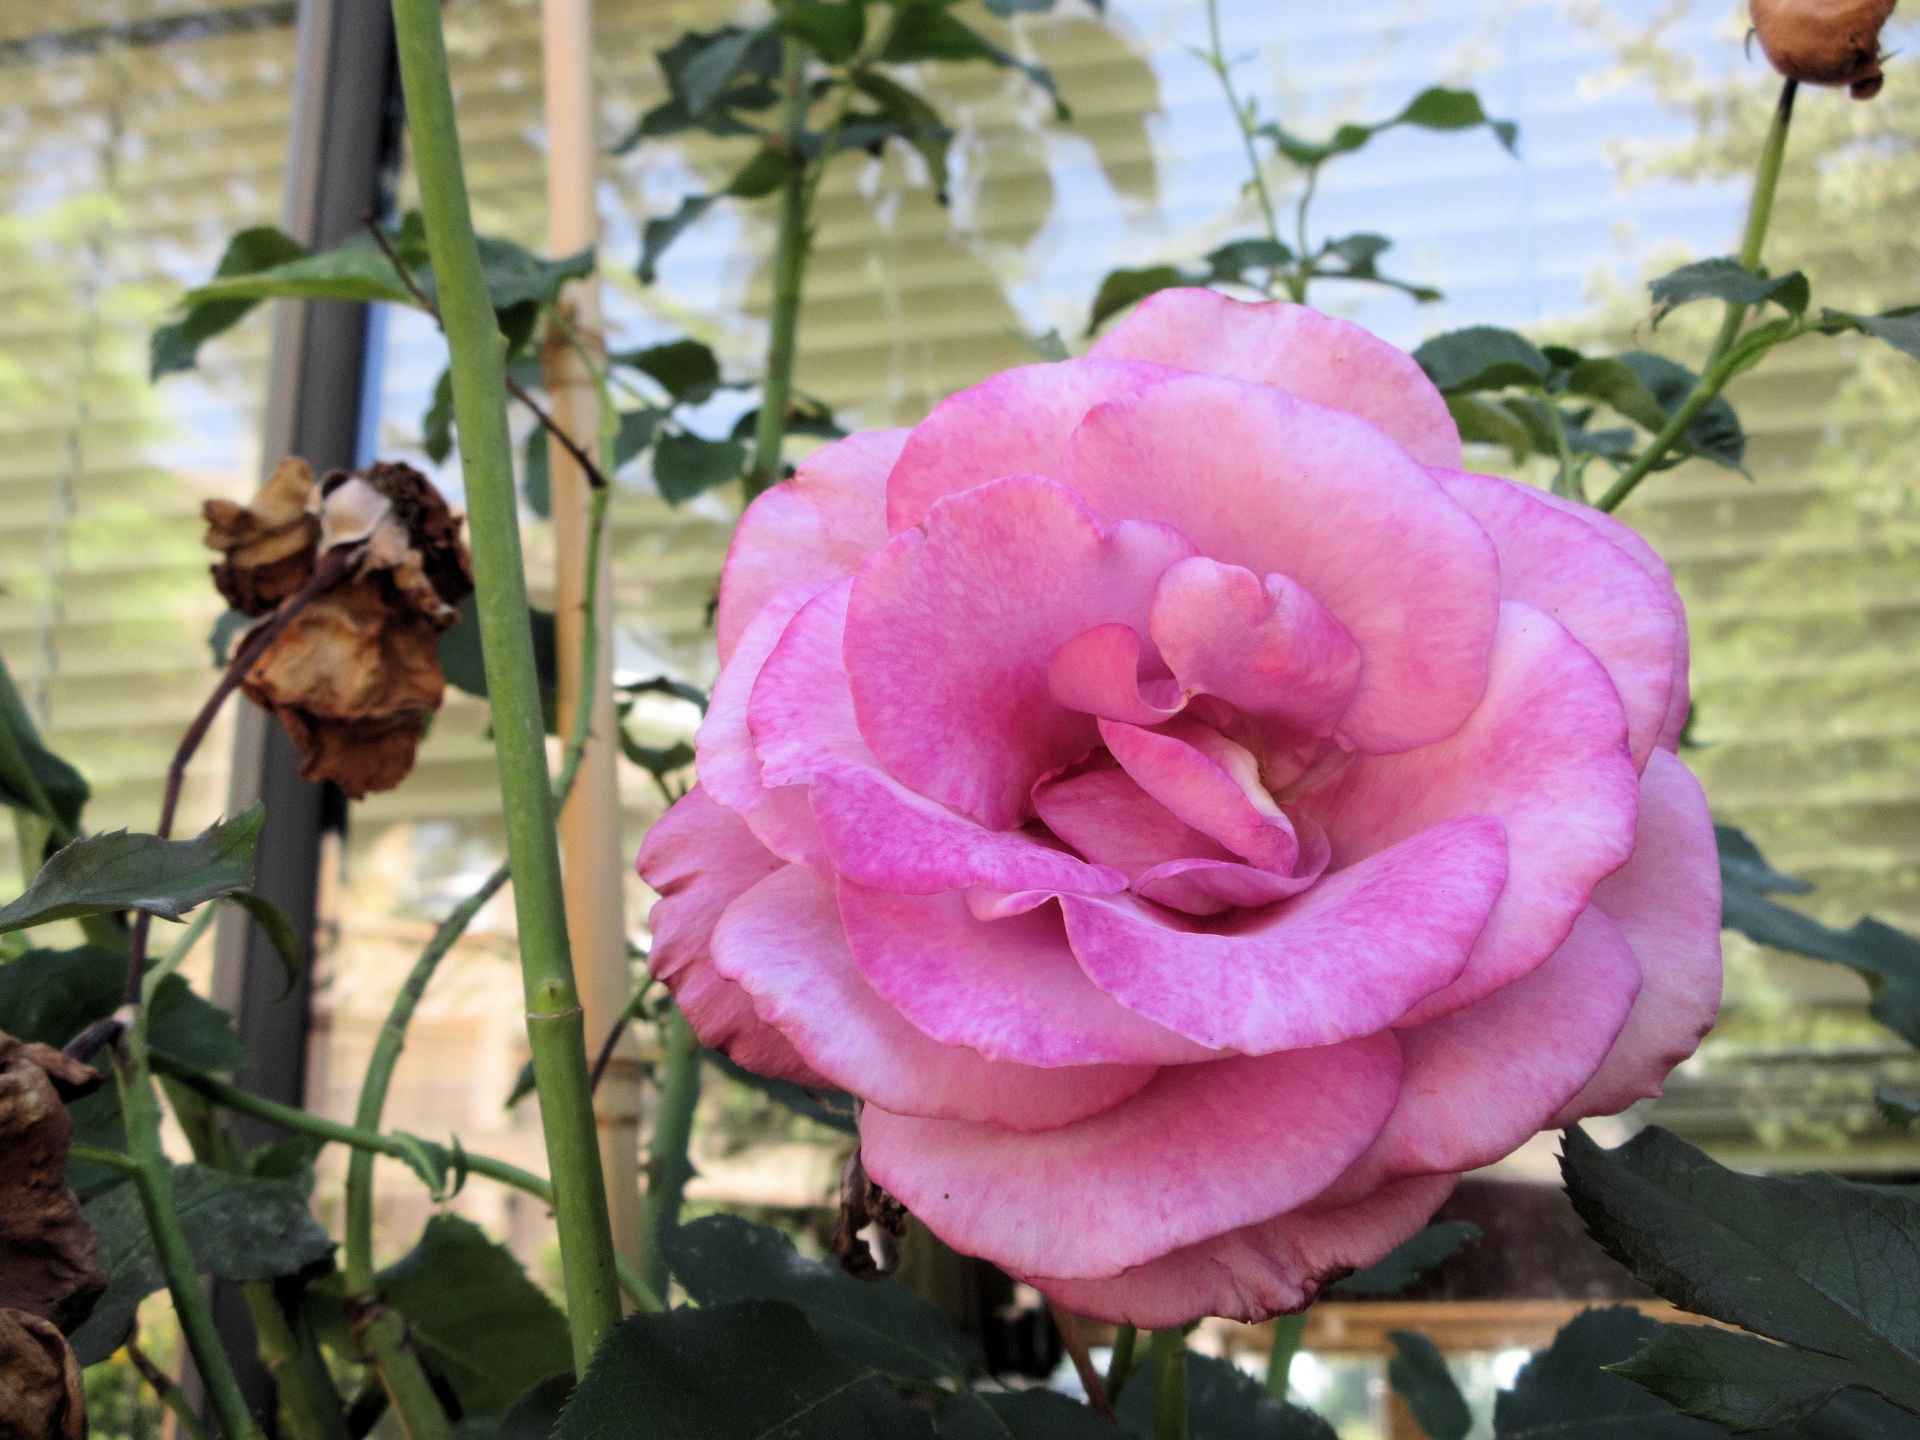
668,1168
1216,60
1567,483
555,1029
1715,374
1121,1367
1170,1385
1287,1330
789,275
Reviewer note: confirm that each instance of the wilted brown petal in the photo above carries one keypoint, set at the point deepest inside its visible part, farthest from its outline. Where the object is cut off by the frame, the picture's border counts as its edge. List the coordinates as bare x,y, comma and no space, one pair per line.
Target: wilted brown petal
269,544
42,1394
1824,42
49,1256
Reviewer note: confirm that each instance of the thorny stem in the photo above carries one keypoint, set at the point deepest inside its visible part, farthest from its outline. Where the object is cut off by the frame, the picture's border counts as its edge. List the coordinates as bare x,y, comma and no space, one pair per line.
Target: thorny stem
514,388
668,1168
1076,1344
1717,371
169,1393
1121,1367
1287,1330
789,275
1170,1385
1217,61
555,1030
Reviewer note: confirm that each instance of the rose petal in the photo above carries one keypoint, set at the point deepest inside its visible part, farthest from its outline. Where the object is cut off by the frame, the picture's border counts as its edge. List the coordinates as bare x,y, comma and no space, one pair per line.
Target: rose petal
876,831
1266,647
1257,1271
995,582
1098,672
1010,989
1666,900
1349,956
817,526
701,858
1107,817
1273,484
1212,887
1203,1149
1215,790
782,942
1331,362
1015,423
1546,753
1551,561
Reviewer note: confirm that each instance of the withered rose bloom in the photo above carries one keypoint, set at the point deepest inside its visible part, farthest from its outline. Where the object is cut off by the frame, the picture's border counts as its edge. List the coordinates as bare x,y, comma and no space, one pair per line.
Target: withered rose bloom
355,674
1824,42
50,1272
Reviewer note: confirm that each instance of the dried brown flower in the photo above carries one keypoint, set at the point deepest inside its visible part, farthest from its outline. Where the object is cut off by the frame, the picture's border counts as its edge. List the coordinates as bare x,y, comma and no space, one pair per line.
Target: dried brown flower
1824,42
42,1394
49,1256
269,544
355,674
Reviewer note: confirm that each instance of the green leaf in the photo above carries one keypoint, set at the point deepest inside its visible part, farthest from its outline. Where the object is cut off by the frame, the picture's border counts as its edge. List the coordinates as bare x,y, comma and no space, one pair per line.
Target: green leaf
907,116
832,1108
238,1228
765,173
1419,1375
1438,108
176,346
1725,278
436,426
1231,262
686,369
1563,1393
1223,1403
705,71
1017,1415
685,465
464,665
751,1371
1735,1380
278,930
1409,1260
475,1318
537,1412
664,230
290,1160
1122,288
1715,433
536,483
637,428
1358,255
32,777
1486,422
1481,357
356,269
1887,958
878,1325
833,29
1615,384
100,874
1817,1263
1899,1111
516,276
1899,328
1047,345
930,32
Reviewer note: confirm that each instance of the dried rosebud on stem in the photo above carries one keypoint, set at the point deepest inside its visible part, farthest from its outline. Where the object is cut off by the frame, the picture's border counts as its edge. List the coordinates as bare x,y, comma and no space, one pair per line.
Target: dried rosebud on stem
1824,42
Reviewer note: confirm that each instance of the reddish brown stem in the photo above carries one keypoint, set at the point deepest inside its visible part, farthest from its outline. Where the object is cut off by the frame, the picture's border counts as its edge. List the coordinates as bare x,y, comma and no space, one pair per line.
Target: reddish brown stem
1076,1343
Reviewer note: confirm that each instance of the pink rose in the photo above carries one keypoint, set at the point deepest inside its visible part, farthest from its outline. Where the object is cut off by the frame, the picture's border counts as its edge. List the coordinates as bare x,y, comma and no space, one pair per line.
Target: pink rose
1197,819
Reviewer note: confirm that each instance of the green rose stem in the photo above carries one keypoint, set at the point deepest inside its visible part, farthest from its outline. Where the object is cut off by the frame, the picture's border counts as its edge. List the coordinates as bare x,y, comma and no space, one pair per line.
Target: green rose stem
668,1168
555,1025
1216,60
1723,361
789,272
1170,1385
1120,1368
1287,1330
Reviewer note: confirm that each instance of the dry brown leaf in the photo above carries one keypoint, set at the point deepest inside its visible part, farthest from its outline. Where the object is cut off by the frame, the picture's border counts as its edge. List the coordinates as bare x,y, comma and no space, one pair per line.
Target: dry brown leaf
269,544
1824,42
49,1256
42,1393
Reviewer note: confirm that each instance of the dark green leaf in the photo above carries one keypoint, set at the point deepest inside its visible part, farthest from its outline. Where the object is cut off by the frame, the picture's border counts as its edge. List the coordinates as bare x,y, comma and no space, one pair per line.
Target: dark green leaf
1048,346
1357,256
278,930
1563,1394
832,28
99,874
1481,357
518,322
537,1412
1409,1260
1615,383
1232,261
765,173
1122,288
929,32
636,433
1735,1380
1715,433
464,665
1724,278
1223,1403
228,628
1896,1109
536,483
32,777
1437,108
1018,1415
1899,328
1419,1375
878,1325
176,346
832,1108
751,1371
1006,9
52,995
685,465
1487,422
475,1318
1887,958
1815,1262
436,426
903,114
238,1228
290,1160
516,276
664,230
705,71
686,369
357,269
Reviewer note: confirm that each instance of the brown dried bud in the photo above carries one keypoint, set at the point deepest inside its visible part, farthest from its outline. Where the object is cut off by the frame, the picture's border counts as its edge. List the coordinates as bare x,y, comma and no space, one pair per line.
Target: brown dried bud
42,1394
1824,42
49,1255
355,674
269,544
866,1209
